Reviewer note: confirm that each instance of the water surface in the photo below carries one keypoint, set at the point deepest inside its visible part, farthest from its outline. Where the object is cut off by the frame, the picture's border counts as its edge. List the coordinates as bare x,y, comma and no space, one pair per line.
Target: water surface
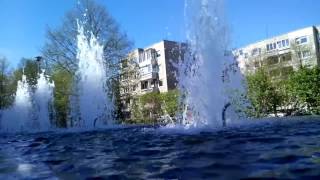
280,149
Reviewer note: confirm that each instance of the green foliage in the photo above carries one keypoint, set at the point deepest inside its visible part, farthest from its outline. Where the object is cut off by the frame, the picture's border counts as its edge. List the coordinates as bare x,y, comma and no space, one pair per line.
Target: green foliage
30,68
63,86
150,107
298,93
263,94
304,87
5,88
170,102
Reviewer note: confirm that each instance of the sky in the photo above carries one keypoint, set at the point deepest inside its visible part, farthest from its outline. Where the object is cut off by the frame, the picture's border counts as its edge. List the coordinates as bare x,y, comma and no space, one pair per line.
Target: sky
23,23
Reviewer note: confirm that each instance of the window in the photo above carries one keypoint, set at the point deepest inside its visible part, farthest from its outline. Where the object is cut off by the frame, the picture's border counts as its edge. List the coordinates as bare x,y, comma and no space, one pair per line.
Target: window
279,44
302,40
271,60
255,51
287,42
304,54
144,85
241,52
149,68
286,57
271,46
160,83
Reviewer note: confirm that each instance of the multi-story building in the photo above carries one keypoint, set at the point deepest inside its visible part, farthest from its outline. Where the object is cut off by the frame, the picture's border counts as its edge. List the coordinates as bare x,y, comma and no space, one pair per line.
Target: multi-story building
282,54
150,69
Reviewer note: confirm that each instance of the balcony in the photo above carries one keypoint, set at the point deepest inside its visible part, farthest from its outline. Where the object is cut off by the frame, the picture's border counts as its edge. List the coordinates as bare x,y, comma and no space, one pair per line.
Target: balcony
152,75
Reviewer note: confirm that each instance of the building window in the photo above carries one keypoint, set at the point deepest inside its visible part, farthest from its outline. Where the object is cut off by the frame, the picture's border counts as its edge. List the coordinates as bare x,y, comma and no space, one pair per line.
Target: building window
271,46
304,54
144,85
302,40
126,90
272,60
286,57
149,68
160,83
256,51
279,44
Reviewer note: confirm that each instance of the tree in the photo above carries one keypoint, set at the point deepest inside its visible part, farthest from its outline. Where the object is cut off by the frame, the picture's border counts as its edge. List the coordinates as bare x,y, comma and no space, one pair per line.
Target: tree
304,86
263,94
30,68
171,102
63,89
4,84
149,107
61,48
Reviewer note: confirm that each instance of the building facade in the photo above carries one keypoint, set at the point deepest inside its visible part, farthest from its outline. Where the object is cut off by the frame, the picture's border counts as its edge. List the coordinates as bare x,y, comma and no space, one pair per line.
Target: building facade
282,54
150,69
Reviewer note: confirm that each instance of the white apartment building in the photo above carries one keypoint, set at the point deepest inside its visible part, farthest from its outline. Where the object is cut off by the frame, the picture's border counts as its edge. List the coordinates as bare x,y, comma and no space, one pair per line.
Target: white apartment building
282,54
150,69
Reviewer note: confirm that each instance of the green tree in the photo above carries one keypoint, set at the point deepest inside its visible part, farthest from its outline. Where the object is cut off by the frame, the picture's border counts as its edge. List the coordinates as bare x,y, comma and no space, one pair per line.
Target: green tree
304,86
63,89
149,107
170,102
61,43
5,93
263,94
28,67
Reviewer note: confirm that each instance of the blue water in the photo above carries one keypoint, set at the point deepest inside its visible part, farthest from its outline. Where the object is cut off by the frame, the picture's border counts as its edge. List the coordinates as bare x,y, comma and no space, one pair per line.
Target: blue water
272,149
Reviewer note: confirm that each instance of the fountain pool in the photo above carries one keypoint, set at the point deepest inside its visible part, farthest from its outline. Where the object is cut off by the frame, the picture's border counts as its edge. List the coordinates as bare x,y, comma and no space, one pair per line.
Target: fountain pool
268,149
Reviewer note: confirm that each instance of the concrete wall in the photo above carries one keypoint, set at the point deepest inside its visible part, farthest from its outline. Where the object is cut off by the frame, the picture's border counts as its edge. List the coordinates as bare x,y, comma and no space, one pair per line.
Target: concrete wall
247,60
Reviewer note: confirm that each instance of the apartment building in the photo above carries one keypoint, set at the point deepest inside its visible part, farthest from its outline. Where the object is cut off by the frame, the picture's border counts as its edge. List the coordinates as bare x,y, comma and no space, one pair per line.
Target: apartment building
282,54
150,69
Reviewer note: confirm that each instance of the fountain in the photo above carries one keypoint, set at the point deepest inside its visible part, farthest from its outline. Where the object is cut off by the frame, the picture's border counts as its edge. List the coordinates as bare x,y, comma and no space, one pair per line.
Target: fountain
204,74
91,106
43,100
19,117
30,111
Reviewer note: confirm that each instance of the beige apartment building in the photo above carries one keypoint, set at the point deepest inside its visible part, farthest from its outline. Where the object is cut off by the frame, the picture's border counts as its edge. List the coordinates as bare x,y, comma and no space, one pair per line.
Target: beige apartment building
150,69
281,54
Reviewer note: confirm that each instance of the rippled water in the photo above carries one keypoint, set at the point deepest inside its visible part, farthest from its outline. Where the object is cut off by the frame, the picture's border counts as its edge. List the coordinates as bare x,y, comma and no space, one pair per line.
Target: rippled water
281,149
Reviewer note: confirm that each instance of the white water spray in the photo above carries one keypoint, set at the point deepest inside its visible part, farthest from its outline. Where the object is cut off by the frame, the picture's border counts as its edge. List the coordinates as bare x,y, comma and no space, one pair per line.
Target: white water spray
43,101
201,78
92,106
19,117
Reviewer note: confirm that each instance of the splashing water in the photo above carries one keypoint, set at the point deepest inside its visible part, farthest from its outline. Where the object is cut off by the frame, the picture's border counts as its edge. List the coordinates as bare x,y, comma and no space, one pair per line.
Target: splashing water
19,117
43,100
92,107
201,73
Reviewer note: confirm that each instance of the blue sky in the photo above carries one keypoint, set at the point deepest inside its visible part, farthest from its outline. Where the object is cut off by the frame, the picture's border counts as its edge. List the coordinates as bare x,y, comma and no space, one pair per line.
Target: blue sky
24,22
